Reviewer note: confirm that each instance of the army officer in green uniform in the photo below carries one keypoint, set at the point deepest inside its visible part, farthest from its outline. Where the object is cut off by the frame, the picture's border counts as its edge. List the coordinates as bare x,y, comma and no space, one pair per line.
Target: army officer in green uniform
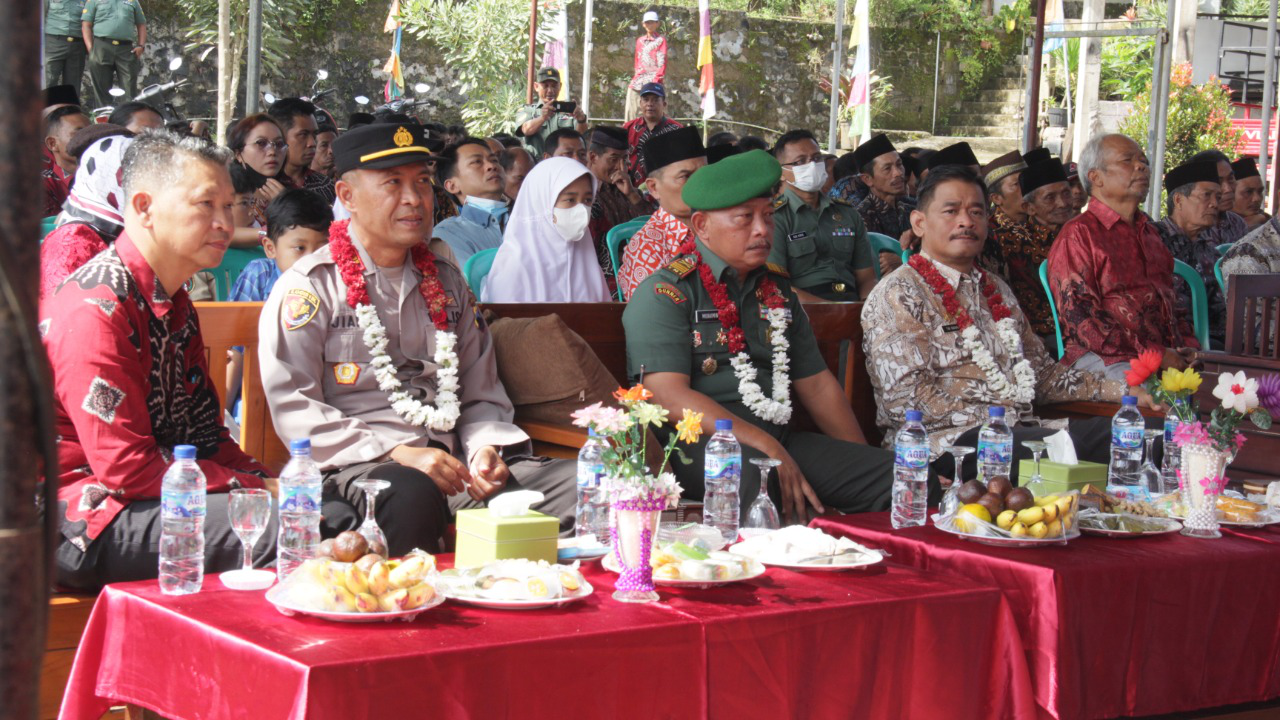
684,325
115,33
64,49
820,241
536,121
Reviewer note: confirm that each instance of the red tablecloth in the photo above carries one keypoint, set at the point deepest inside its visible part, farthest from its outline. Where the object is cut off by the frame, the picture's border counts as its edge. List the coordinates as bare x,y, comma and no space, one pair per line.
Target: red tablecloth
1122,627
884,644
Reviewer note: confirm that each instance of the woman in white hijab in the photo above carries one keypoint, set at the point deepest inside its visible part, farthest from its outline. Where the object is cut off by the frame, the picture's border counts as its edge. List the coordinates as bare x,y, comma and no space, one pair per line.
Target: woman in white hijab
547,254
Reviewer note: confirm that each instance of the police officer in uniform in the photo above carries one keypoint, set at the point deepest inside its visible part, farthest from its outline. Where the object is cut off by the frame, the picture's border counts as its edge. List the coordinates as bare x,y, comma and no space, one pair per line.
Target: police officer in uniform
820,241
115,34
536,121
64,49
677,341
320,376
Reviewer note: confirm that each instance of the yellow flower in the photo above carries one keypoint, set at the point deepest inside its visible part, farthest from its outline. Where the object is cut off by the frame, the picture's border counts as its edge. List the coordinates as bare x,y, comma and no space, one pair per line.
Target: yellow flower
690,428
1177,381
1191,380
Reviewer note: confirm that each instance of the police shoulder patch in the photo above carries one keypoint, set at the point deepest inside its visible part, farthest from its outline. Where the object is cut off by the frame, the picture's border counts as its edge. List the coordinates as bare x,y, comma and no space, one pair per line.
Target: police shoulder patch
683,266
777,269
298,308
670,291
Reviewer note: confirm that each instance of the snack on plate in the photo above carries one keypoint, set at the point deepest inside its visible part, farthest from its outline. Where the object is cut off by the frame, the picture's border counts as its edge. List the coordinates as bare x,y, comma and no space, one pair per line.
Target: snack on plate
327,585
1134,524
1111,504
792,544
515,580
1237,510
679,561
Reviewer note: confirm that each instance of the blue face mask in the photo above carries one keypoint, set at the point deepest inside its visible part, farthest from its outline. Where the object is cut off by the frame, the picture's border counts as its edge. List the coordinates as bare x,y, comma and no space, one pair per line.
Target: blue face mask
496,208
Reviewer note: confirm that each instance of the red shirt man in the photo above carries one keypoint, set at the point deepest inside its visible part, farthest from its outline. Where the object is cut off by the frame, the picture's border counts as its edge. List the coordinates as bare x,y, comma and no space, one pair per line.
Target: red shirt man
653,121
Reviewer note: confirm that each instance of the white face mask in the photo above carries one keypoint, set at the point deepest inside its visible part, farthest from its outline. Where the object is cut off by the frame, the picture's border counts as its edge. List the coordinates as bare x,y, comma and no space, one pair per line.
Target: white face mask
572,222
810,177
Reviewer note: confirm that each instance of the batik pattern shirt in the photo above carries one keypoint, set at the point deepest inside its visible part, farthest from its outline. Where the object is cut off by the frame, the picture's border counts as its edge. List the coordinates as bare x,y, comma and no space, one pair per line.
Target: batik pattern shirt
918,362
1014,251
1113,283
1201,254
881,217
850,190
130,382
1230,228
610,209
1257,253
651,61
57,186
316,182
652,247
637,132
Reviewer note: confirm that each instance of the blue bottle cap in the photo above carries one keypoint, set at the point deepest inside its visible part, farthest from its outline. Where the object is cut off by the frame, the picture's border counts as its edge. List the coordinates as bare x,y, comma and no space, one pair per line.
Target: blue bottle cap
995,411
300,446
914,416
724,425
591,432
1129,400
184,452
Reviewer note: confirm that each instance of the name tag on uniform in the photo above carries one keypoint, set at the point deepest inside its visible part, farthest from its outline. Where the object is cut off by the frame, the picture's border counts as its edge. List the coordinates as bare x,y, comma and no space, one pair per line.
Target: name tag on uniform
706,316
797,236
951,328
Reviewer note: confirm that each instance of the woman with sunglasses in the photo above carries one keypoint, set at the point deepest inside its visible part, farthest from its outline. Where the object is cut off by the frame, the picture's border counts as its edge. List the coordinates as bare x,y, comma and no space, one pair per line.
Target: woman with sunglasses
259,147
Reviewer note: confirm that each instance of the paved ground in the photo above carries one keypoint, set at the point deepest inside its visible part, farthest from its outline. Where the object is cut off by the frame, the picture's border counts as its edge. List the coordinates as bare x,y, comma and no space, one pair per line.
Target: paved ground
985,148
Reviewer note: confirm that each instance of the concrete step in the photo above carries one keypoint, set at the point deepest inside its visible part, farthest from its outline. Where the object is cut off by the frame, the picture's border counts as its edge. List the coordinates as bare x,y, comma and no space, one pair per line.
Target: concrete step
980,131
1004,96
1003,120
1005,83
985,107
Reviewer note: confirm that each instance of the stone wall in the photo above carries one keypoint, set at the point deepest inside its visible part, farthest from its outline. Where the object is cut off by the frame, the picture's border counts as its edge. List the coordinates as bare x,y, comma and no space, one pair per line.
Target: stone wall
767,71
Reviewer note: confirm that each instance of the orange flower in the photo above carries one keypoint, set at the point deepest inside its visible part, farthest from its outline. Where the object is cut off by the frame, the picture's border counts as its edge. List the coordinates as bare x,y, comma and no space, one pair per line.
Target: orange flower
632,395
1141,367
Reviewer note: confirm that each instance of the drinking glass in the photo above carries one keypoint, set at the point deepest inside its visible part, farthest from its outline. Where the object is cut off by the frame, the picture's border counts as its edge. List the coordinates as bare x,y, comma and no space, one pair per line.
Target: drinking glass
249,510
369,528
951,499
762,516
1150,479
1037,448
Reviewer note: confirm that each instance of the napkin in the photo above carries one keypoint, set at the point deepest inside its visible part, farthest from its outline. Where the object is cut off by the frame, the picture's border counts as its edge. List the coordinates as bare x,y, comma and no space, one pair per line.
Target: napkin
515,503
1061,448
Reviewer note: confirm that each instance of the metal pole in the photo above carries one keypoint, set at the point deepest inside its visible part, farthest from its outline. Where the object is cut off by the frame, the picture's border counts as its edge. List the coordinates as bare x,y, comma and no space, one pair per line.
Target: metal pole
1066,71
937,68
25,530
837,62
253,64
1265,156
1031,123
533,50
586,57
1159,111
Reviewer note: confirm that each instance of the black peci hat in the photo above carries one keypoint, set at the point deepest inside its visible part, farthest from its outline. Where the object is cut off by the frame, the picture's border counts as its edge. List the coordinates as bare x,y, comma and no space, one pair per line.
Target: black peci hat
660,151
1191,172
1045,172
872,149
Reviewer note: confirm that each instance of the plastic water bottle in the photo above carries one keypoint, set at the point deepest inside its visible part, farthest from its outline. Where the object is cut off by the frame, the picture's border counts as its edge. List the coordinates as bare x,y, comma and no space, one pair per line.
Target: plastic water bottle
1172,460
995,446
593,501
722,478
182,508
300,485
1126,450
910,473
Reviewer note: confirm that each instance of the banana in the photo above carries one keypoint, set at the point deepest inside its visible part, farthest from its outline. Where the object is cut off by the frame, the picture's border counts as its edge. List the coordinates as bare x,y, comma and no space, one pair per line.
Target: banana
1030,516
379,578
356,580
1050,512
394,600
1018,530
419,595
1038,530
409,573
366,603
342,599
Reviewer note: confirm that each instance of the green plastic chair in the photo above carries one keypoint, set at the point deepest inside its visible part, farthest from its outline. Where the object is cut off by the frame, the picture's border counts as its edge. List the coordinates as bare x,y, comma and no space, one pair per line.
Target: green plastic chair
882,243
1217,274
1199,300
477,267
616,239
1224,247
906,256
47,225
1053,307
233,263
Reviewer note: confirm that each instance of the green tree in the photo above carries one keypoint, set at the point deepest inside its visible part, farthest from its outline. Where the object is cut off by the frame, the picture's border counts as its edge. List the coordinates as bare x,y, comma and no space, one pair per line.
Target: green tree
486,43
1199,118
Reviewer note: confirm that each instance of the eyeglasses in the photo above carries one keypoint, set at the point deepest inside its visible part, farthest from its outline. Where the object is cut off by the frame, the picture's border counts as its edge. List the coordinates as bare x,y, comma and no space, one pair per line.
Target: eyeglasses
263,144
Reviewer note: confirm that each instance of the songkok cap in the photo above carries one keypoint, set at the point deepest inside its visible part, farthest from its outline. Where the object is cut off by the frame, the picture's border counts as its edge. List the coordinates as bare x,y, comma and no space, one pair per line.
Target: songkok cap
610,137
380,146
651,16
732,181
61,95
1245,167
661,150
548,73
1036,155
1002,167
92,133
356,119
653,89
1043,173
1073,172
1191,172
716,153
872,149
958,154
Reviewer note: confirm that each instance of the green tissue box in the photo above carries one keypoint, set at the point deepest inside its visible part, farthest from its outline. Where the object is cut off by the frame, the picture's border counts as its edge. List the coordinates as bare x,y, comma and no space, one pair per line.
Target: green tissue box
1059,478
484,537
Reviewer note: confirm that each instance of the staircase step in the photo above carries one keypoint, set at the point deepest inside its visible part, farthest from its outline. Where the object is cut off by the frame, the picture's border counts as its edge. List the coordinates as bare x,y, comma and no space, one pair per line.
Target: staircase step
1003,120
1005,83
980,131
990,108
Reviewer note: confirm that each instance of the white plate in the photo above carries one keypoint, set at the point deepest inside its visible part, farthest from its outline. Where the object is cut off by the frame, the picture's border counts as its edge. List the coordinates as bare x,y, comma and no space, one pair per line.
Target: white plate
583,591
567,551
860,560
611,564
248,579
1022,542
350,617
1266,517
1170,526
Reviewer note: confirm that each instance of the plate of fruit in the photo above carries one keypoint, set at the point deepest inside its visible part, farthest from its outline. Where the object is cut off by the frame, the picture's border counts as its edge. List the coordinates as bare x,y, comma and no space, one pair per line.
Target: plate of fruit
372,589
688,565
996,513
516,584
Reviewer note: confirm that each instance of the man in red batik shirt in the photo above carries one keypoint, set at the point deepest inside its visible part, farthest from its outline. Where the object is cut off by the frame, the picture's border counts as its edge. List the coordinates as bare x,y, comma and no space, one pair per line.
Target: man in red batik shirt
1111,275
650,65
653,121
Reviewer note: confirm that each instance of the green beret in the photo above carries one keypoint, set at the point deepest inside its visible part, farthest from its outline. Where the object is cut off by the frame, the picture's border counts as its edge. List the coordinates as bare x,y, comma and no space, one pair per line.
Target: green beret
732,181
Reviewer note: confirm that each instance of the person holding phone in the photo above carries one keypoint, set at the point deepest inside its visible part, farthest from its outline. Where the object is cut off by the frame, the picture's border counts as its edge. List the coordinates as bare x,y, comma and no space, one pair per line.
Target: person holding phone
537,120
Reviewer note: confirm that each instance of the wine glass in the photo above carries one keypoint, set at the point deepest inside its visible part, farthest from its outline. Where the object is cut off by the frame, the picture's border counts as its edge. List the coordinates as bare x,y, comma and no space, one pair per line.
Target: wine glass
1150,478
762,516
1037,448
951,499
369,528
249,510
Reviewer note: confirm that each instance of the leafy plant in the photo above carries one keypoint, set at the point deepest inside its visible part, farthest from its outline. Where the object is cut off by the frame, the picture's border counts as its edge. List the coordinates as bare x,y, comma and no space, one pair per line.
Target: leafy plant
486,42
1199,117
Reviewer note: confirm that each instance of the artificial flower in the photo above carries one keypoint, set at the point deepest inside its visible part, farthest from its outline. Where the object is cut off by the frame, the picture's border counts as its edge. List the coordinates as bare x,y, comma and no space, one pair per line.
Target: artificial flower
690,428
634,394
611,421
1191,433
584,417
1237,392
1269,394
649,414
1176,381
1141,367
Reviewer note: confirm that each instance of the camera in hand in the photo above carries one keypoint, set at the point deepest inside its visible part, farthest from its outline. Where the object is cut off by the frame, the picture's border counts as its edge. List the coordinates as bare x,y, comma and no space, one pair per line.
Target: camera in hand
564,106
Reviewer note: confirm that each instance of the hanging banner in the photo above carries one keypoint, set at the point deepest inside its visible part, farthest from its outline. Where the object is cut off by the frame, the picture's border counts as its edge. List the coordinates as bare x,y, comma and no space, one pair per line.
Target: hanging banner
395,83
707,80
859,101
555,50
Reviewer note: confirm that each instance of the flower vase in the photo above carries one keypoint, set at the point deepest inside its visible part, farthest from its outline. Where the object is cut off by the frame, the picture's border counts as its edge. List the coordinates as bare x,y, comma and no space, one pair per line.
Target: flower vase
1201,478
634,525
